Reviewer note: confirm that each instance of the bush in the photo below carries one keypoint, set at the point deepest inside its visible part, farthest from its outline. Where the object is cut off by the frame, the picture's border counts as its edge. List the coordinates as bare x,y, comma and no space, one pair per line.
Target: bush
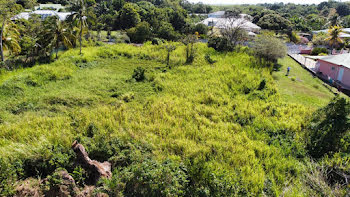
201,29
220,44
157,41
269,48
209,59
166,31
328,127
151,178
7,178
139,74
320,39
140,33
318,50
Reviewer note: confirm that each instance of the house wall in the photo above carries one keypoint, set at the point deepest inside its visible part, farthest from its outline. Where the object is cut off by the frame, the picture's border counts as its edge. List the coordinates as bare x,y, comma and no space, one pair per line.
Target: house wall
332,70
328,69
346,77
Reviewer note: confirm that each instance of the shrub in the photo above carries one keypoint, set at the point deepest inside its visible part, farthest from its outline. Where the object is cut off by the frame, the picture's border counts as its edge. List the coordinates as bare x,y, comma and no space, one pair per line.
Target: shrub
269,48
220,44
317,51
201,29
139,74
262,84
209,59
293,37
166,31
320,39
7,178
189,41
327,128
124,38
127,97
140,33
156,41
151,178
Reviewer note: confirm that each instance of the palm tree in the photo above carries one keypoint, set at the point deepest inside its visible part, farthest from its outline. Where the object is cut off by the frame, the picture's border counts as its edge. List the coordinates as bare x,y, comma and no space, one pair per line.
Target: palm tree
79,16
8,9
10,38
334,35
61,34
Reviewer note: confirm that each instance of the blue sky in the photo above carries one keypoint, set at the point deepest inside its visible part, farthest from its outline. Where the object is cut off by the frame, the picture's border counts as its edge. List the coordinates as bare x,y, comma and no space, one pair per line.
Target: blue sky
257,1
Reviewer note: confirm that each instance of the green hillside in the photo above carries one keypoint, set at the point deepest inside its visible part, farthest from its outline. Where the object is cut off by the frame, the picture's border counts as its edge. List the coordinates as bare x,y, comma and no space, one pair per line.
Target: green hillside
203,129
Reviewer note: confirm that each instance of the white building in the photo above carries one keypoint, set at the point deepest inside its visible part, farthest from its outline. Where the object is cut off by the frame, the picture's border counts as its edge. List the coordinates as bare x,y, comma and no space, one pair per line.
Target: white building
222,23
54,7
43,13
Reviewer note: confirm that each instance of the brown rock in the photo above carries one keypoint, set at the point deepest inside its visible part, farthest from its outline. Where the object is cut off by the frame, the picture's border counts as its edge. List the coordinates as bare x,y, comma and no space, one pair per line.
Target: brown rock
97,169
29,187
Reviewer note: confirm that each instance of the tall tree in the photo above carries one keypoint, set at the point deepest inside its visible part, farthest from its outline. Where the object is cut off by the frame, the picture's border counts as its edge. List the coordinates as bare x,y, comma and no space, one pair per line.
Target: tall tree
8,8
334,35
274,22
129,16
79,17
10,38
60,34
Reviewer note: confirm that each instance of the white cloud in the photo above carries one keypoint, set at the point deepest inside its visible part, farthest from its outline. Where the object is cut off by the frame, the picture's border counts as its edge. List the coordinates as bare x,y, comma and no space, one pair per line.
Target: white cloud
257,1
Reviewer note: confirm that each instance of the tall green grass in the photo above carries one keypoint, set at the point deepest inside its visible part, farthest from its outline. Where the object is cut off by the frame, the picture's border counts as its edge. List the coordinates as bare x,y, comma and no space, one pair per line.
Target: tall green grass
214,118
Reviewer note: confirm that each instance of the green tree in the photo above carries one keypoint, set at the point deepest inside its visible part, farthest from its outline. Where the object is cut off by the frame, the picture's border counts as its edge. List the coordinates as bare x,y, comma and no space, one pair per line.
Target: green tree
201,29
10,38
346,21
343,9
129,17
78,17
8,8
60,34
327,128
140,33
320,39
334,36
274,22
189,42
269,48
315,22
167,31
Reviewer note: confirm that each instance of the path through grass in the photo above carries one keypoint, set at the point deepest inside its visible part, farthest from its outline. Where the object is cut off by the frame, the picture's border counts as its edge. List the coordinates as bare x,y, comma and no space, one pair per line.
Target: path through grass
300,87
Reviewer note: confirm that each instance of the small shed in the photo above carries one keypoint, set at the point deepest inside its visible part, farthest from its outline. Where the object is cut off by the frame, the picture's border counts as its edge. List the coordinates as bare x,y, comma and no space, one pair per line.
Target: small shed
335,68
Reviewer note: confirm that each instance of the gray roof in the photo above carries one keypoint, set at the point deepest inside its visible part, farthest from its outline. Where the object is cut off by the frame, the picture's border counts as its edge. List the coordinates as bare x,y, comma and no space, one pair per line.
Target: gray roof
223,23
342,60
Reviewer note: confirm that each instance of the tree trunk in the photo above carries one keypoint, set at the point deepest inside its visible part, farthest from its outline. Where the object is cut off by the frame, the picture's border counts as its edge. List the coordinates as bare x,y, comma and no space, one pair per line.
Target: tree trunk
1,44
81,33
56,51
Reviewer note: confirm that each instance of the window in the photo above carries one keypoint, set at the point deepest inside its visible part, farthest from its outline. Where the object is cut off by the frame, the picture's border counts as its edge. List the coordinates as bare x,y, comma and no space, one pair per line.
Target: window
333,68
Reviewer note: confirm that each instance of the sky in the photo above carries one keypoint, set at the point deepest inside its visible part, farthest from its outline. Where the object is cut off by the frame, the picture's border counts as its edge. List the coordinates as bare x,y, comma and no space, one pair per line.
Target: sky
258,1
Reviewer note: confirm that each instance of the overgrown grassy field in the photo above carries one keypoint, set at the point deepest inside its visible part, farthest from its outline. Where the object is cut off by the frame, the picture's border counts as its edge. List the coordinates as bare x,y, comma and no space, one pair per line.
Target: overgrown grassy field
233,128
300,86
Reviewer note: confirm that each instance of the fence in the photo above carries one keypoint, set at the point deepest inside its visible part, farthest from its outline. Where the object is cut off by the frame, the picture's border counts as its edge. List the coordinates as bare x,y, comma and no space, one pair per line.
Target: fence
307,62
